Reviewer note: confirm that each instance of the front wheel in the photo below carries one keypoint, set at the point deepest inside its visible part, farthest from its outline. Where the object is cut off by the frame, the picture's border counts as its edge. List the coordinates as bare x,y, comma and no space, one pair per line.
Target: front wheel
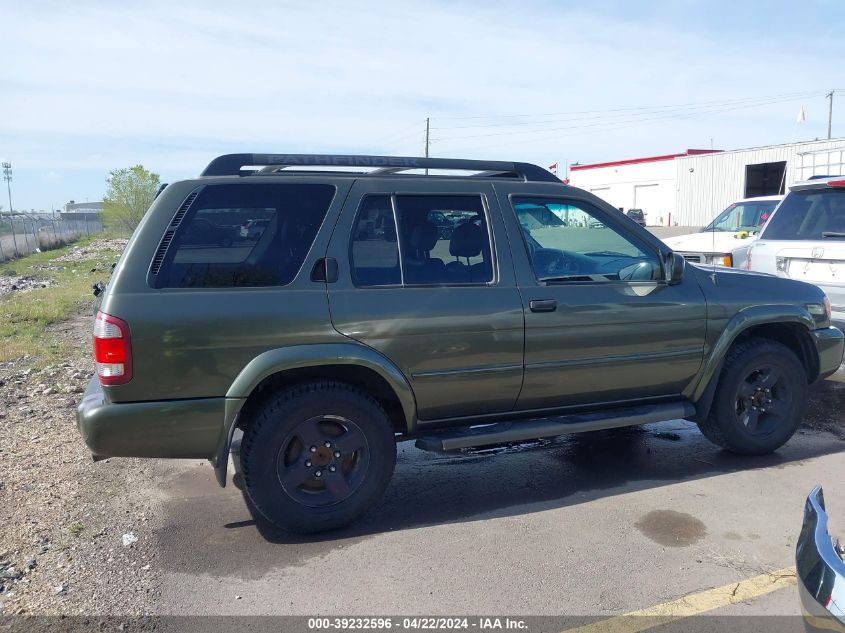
760,398
315,457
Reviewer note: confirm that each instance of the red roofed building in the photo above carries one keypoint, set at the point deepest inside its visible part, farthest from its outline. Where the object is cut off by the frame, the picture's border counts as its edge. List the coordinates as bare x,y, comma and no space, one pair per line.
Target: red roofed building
647,183
690,188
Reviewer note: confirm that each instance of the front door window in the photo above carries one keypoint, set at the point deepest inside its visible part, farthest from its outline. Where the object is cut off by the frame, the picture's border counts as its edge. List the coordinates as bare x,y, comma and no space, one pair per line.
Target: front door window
567,241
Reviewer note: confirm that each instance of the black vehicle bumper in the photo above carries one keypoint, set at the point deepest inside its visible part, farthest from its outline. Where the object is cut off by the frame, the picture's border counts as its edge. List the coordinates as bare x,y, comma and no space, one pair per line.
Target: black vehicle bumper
830,344
168,428
820,570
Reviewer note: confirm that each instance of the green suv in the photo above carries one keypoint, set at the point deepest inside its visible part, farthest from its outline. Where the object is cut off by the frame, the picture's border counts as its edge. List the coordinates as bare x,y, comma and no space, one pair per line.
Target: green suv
316,304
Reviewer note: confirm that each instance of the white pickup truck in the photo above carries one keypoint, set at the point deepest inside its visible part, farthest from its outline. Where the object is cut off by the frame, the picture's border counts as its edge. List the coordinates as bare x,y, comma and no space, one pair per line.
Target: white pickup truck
726,240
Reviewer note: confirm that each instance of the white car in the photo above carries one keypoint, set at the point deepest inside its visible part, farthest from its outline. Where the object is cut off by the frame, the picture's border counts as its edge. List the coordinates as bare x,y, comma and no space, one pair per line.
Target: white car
805,240
725,241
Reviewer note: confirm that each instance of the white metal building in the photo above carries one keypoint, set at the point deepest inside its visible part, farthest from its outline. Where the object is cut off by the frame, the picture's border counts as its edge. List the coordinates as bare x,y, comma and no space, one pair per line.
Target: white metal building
692,187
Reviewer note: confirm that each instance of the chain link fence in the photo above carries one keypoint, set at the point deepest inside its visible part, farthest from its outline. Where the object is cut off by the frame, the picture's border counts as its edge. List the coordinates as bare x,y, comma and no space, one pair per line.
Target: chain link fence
23,234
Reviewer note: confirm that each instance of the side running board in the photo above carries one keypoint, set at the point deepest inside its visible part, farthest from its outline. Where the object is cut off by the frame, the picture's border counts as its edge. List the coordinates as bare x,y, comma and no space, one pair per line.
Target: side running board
517,431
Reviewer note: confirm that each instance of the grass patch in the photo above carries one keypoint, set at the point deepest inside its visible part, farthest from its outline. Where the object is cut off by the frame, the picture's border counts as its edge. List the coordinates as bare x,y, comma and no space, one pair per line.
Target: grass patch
75,528
25,316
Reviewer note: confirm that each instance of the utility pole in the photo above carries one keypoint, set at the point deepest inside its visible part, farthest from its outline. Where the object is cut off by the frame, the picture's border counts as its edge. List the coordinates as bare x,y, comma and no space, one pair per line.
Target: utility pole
7,176
427,138
829,95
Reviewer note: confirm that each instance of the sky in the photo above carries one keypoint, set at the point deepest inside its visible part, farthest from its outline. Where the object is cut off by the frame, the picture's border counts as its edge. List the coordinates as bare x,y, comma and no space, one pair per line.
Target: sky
88,87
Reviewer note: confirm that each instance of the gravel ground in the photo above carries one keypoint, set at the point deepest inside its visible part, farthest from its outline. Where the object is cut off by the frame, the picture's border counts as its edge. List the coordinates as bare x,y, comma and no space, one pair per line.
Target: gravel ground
75,536
81,253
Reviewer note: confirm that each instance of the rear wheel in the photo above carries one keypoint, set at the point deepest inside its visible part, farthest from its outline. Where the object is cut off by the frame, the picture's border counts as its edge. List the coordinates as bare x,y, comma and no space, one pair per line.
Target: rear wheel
316,456
760,398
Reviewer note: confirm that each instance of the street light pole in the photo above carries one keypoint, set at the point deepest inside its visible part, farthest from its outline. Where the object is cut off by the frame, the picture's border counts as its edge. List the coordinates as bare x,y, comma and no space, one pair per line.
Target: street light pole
7,176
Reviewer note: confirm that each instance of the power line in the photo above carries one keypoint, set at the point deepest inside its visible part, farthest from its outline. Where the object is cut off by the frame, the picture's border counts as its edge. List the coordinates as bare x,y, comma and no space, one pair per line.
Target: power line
398,134
646,116
630,121
504,116
629,112
580,130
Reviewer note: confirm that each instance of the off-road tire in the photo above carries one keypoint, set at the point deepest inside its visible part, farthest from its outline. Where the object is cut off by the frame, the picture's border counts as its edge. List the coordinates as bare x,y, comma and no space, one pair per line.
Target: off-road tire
744,370
267,443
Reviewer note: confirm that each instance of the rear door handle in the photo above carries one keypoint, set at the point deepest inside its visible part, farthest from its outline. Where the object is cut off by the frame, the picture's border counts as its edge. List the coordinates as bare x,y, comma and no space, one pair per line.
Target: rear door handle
325,269
542,305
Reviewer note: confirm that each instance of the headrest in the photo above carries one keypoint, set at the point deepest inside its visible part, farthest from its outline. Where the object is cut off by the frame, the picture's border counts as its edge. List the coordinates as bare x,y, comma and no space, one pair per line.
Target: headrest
423,236
467,240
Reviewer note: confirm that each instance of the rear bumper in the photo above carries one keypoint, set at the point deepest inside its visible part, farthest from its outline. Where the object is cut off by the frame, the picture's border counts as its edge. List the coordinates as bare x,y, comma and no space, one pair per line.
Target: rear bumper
169,428
830,344
820,571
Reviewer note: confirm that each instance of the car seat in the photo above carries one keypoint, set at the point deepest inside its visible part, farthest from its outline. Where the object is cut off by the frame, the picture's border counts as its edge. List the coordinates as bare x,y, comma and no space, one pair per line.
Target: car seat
469,240
420,267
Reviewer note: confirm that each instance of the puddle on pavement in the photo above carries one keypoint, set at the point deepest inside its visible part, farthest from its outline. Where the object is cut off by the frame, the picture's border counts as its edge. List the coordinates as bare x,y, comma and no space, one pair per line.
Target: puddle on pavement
672,529
672,437
825,407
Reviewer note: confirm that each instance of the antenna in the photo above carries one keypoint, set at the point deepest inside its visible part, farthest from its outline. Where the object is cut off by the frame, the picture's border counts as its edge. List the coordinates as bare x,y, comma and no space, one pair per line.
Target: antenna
428,138
713,250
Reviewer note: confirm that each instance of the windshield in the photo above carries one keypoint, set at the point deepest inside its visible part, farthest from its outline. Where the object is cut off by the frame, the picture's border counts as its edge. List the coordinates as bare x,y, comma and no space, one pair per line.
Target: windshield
809,215
743,216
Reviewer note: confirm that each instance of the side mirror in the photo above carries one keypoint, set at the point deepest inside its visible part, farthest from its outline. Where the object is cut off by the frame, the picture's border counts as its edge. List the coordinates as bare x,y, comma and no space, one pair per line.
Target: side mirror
675,267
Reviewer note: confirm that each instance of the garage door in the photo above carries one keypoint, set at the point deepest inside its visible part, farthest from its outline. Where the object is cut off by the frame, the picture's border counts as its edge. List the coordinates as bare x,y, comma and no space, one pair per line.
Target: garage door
647,198
608,195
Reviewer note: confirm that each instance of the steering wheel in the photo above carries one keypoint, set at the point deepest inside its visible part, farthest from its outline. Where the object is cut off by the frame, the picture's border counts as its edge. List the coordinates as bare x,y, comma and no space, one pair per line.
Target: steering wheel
549,262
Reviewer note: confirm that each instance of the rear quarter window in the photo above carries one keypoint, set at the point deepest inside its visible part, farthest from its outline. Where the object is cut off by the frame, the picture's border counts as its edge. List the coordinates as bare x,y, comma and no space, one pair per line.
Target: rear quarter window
243,235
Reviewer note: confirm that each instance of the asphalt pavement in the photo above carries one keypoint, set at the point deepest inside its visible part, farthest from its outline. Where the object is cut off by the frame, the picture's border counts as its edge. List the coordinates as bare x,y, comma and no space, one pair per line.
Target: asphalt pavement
595,524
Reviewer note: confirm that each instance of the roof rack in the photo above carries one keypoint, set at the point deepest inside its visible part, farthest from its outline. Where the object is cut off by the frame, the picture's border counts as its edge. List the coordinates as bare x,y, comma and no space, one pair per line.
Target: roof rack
234,164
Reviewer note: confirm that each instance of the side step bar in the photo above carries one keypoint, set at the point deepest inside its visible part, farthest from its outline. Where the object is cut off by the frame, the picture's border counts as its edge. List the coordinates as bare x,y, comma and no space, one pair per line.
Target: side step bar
505,432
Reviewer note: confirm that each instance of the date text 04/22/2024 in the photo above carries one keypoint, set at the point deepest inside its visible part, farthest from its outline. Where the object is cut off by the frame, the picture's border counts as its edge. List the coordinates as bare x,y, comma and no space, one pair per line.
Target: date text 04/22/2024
416,623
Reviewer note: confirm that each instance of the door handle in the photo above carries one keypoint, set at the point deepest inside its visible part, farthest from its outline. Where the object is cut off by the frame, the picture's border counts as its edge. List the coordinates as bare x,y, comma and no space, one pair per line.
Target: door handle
325,269
542,305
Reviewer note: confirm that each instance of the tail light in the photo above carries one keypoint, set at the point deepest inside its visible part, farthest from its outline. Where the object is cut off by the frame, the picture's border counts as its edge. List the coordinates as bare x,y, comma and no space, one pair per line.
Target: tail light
112,350
836,183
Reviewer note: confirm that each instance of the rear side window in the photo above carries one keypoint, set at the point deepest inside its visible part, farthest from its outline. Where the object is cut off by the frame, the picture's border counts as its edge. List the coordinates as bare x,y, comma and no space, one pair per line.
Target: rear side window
243,235
440,240
445,240
809,215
